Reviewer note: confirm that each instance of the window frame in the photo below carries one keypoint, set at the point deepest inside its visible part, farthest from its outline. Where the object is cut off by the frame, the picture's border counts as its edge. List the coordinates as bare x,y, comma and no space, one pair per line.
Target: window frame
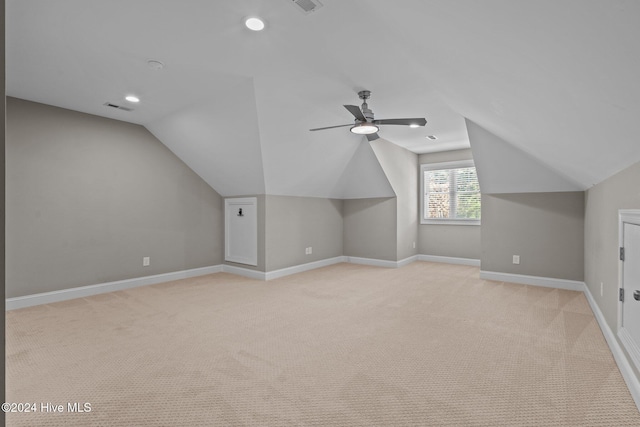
441,166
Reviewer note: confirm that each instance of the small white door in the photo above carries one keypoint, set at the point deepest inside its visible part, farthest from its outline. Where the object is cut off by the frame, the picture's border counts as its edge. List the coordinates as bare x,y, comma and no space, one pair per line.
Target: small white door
241,230
631,281
630,326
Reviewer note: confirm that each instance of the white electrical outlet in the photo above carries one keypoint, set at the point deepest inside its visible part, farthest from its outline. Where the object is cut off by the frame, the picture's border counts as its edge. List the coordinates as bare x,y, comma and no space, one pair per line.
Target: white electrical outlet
601,288
310,250
146,261
516,259
414,245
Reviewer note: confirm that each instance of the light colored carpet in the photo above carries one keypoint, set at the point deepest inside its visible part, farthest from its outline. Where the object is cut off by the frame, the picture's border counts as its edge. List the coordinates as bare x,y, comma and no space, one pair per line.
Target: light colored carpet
347,345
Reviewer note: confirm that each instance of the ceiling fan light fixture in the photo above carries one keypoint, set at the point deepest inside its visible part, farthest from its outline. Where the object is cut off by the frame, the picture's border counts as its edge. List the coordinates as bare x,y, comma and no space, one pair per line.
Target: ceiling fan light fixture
365,128
254,24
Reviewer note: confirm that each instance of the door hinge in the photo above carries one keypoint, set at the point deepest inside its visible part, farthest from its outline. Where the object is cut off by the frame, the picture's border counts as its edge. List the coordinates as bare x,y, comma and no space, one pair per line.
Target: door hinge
621,254
621,294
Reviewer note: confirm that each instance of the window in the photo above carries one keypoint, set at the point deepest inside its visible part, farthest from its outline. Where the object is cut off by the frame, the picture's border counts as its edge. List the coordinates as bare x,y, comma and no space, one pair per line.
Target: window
450,193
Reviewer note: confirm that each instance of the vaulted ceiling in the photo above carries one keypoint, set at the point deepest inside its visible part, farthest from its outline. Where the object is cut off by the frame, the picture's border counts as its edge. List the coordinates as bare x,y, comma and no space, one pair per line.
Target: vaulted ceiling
554,81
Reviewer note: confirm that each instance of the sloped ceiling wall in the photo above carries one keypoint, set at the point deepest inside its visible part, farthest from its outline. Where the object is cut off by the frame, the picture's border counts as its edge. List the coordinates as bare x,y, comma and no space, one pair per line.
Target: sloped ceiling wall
207,136
553,78
363,177
503,168
557,80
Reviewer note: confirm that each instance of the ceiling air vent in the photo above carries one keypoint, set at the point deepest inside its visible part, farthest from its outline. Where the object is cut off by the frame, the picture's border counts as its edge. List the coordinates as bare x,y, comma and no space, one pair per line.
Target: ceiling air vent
117,107
308,6
432,137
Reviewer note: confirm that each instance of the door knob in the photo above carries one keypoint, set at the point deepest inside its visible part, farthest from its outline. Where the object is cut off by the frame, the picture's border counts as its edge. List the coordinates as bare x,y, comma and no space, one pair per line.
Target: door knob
636,295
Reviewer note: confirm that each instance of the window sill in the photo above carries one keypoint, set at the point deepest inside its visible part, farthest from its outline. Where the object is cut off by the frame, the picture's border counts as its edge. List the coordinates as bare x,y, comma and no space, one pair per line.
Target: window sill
449,222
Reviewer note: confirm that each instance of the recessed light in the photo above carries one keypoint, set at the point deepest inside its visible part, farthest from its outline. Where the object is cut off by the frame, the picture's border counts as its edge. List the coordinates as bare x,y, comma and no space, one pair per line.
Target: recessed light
414,125
254,24
132,98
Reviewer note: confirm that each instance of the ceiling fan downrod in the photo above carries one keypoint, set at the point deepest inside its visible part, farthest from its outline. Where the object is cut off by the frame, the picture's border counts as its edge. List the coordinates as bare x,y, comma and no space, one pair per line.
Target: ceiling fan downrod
366,112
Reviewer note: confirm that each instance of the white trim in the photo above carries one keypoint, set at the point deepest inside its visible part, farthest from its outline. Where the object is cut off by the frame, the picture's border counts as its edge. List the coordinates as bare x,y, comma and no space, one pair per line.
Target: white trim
449,260
630,215
406,261
101,288
550,282
633,384
452,221
244,272
287,271
372,262
455,164
381,262
630,345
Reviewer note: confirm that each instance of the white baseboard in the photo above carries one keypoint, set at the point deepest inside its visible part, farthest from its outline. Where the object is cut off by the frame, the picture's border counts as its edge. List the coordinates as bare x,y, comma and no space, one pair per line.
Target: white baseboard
275,274
101,288
372,261
449,260
633,384
407,261
303,267
244,272
379,262
630,345
550,282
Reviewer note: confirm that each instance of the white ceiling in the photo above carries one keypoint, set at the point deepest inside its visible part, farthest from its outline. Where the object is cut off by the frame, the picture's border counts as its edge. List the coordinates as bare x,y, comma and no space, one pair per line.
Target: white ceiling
556,79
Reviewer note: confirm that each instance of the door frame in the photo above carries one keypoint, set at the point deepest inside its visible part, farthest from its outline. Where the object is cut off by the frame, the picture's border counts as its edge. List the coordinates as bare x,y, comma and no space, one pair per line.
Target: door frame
626,216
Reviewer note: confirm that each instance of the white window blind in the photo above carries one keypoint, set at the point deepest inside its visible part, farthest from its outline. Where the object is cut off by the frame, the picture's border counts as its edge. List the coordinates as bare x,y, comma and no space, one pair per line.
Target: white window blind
450,193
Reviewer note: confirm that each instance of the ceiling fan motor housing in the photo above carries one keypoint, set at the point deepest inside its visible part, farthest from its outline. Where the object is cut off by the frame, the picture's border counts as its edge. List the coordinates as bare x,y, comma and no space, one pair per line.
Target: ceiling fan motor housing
366,112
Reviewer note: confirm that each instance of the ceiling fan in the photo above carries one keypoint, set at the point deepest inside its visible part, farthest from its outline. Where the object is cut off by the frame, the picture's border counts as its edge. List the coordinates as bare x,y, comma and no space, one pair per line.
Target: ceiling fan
365,124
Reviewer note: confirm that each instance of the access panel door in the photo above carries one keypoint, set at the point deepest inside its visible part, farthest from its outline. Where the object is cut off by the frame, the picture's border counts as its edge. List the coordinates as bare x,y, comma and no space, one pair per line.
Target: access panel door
631,282
241,230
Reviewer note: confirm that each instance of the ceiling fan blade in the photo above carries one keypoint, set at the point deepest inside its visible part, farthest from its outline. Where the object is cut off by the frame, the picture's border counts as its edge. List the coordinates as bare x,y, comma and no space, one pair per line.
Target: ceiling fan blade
404,122
372,136
331,127
357,113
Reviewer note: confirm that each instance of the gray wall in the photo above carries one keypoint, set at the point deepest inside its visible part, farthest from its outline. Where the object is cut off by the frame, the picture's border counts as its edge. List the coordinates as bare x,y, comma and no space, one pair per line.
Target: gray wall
370,228
601,236
295,223
545,229
88,197
399,165
457,241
